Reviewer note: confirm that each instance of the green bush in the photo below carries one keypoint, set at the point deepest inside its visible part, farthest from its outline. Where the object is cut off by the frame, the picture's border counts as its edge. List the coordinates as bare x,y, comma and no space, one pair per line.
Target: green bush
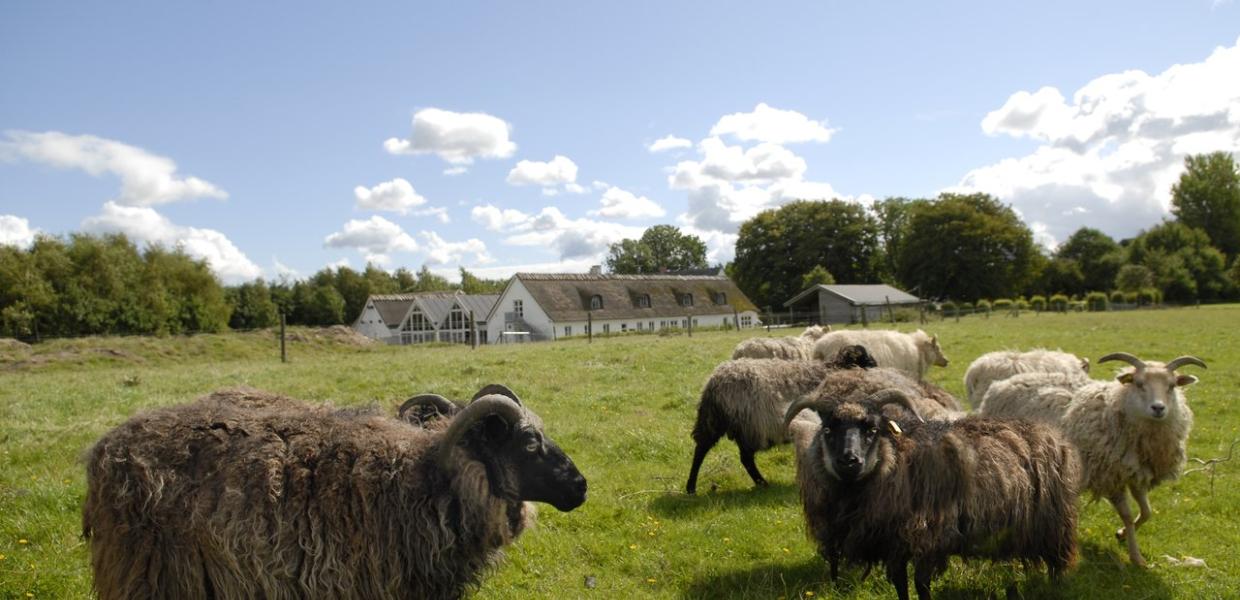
1003,304
983,305
1096,301
1058,303
948,307
1076,306
1117,297
1022,303
1038,303
1148,296
1130,297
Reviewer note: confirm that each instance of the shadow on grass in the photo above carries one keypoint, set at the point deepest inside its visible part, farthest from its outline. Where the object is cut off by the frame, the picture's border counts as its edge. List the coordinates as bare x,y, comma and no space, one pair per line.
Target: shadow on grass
675,505
770,581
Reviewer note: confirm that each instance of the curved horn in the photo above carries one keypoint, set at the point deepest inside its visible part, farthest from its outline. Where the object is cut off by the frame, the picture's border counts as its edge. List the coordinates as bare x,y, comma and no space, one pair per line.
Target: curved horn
1185,360
441,405
1126,357
493,404
894,396
801,404
496,388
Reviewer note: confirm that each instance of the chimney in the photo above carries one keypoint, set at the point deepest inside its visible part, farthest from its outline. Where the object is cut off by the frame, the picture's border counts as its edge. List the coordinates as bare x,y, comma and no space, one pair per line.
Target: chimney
596,270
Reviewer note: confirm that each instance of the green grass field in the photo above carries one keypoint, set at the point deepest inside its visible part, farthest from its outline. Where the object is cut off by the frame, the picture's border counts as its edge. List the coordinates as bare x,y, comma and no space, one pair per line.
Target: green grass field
623,409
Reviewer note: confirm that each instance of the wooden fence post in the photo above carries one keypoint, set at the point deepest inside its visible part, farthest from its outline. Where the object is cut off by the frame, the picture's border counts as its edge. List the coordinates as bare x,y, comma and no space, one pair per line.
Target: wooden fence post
736,319
590,328
769,316
891,312
473,332
283,354
689,320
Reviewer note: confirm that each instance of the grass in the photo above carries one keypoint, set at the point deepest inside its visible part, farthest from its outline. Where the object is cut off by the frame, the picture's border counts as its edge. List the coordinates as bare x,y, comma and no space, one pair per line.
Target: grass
622,407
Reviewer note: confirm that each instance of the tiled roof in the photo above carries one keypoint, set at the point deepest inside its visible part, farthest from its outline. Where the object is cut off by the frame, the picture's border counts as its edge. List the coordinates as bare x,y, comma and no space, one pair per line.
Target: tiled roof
567,296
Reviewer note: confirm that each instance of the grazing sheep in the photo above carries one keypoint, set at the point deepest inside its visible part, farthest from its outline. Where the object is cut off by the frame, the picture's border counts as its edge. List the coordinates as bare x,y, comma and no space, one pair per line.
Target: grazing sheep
744,399
909,352
878,490
785,348
245,494
1131,433
997,366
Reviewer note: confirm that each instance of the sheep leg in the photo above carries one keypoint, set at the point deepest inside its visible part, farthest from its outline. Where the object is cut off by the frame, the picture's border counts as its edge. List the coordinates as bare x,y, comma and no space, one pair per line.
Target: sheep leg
704,444
923,572
1129,531
750,467
1143,502
897,574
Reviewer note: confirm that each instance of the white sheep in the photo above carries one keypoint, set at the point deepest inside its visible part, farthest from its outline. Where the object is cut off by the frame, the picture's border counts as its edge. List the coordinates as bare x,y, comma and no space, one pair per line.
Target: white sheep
783,348
909,352
1131,433
996,366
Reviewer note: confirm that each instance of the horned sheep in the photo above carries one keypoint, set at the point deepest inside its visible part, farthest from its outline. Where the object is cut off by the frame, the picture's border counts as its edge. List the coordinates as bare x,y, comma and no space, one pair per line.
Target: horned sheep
784,348
913,352
886,490
997,366
1131,433
246,494
745,400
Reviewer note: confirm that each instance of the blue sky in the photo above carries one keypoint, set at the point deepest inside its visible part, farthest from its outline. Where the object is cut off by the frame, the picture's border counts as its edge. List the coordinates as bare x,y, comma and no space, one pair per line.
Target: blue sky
243,130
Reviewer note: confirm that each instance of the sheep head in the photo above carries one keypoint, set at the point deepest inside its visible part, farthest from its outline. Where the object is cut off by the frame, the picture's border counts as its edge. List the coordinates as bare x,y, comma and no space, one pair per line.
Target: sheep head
853,357
814,332
928,347
521,463
855,438
1151,389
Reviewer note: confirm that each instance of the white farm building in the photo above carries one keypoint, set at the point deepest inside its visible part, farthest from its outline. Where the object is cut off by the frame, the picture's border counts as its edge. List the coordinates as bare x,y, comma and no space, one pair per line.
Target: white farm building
548,306
426,317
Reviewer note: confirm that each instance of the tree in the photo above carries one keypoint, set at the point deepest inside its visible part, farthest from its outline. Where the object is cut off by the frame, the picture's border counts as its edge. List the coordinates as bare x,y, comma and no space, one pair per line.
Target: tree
1207,197
430,282
1133,278
1097,257
660,248
1061,275
253,307
817,275
967,247
893,218
776,248
1184,264
472,284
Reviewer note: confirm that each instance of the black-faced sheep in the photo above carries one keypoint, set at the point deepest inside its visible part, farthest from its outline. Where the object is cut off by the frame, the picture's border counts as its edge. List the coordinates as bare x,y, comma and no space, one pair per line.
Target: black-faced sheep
245,494
783,348
745,399
1131,433
997,366
882,490
913,353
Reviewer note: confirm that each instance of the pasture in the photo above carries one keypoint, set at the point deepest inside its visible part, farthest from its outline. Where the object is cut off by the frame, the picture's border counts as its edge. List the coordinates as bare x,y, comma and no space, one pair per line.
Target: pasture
622,407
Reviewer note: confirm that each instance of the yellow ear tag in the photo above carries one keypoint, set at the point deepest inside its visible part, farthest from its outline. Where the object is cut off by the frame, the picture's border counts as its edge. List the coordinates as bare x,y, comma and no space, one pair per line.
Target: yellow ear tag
895,429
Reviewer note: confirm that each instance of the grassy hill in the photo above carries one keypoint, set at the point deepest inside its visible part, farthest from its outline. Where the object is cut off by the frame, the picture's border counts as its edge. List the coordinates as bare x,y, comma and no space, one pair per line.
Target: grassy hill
622,407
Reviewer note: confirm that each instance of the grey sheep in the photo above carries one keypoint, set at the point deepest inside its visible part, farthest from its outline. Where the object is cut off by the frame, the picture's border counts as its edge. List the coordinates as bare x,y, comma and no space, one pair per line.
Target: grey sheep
246,494
1131,433
883,489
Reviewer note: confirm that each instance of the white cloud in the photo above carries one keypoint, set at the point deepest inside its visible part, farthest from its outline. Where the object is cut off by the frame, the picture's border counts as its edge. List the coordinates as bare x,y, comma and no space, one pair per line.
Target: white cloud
600,185
16,231
1109,156
622,204
767,124
146,179
670,142
764,161
375,235
454,171
440,252
550,228
558,170
458,138
143,224
396,196
574,188
344,262
282,270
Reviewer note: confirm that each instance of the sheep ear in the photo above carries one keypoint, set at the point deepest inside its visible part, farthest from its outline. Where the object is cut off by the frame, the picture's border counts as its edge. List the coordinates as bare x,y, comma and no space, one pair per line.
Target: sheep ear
1085,364
1185,380
1124,378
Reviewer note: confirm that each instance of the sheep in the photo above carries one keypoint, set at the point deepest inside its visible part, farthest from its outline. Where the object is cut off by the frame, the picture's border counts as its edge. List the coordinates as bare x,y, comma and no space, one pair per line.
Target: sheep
247,494
785,348
996,366
1131,433
744,399
882,490
910,352
423,409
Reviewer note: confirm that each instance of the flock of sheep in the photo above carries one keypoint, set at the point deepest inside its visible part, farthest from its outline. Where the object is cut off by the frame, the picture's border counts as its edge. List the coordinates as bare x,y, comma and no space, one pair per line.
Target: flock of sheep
248,494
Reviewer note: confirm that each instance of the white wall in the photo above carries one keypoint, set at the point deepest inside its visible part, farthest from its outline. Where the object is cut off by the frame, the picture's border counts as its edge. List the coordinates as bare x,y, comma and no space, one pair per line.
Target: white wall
537,320
371,325
617,326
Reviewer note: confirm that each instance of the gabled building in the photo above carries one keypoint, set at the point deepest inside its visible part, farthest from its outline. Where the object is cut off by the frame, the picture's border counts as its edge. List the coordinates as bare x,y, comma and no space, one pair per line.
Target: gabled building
848,303
547,306
426,317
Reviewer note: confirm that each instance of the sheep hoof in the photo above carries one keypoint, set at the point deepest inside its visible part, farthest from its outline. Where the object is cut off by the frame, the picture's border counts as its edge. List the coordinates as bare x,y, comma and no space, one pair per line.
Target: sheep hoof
1119,535
1139,561
761,483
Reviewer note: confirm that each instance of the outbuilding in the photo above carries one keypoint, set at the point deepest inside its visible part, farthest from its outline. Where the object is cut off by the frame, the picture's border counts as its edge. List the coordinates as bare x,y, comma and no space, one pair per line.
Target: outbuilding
825,304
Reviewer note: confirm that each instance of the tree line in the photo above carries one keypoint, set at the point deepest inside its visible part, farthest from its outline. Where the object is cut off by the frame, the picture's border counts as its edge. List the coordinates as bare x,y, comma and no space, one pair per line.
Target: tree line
90,285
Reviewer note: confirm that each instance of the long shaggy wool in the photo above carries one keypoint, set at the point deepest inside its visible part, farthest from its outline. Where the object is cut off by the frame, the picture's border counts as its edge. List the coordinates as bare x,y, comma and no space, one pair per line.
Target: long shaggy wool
997,366
244,494
975,487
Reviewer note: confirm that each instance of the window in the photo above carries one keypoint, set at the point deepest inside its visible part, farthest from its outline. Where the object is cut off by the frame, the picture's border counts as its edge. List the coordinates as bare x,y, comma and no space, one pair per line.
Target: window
686,300
596,302
652,326
721,298
746,321
685,323
643,301
695,322
606,328
457,319
518,308
568,330
639,325
624,327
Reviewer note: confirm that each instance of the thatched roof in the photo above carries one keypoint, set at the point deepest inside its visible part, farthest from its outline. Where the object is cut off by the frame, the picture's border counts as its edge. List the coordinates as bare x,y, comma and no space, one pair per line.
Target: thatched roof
567,296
